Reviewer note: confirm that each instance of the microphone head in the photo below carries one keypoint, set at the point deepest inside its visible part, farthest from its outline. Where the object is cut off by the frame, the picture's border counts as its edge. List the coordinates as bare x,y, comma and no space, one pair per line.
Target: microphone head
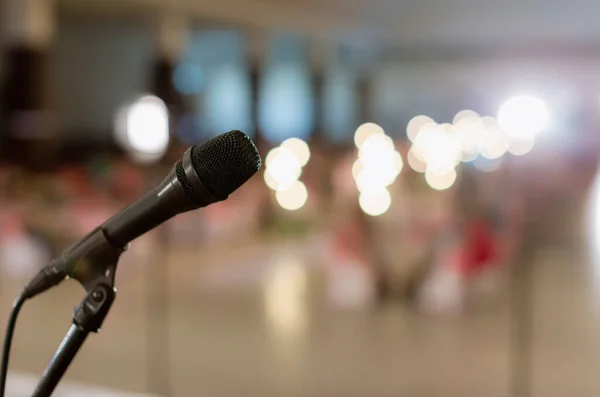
222,164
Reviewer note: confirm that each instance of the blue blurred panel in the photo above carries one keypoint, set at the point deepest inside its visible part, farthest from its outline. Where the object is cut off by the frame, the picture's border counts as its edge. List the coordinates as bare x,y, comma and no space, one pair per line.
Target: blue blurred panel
286,101
340,105
226,100
188,78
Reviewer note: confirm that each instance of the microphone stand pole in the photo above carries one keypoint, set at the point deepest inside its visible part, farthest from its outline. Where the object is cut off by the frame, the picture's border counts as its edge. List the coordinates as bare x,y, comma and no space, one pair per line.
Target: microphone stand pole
94,267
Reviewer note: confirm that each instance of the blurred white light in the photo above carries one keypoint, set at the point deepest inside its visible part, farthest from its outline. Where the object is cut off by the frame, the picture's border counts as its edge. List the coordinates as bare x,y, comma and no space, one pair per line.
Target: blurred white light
414,162
148,125
292,198
447,128
440,181
270,181
440,150
374,147
524,116
356,168
469,156
415,124
494,143
375,202
521,145
425,139
469,131
489,121
299,148
485,165
465,114
283,167
365,131
397,162
370,178
272,155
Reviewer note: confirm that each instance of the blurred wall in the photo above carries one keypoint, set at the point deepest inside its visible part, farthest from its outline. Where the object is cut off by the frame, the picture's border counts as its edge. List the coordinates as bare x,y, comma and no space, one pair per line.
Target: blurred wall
99,67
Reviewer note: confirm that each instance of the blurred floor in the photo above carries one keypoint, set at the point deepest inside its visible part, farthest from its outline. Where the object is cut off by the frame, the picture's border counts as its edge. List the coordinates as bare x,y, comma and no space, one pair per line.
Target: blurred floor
225,341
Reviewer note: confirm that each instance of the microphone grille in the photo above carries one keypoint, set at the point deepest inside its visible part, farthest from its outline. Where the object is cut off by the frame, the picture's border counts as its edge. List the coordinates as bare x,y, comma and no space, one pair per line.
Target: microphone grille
226,162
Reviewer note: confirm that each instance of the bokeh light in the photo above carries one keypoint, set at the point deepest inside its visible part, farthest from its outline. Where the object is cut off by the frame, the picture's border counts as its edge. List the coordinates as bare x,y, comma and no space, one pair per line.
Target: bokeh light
494,143
465,115
375,202
271,182
357,166
440,181
299,148
415,124
374,147
469,131
524,116
283,168
366,131
486,165
294,197
520,146
414,162
147,128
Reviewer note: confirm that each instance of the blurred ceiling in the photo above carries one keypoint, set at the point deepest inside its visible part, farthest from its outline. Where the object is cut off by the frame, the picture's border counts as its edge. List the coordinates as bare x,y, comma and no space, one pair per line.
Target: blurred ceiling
396,25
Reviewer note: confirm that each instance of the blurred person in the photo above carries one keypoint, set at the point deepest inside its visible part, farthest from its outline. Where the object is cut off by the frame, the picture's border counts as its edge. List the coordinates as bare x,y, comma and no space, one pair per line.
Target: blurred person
353,261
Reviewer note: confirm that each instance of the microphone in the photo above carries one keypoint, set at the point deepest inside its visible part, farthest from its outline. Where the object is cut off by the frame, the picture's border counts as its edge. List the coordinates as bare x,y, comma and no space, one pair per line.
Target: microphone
206,174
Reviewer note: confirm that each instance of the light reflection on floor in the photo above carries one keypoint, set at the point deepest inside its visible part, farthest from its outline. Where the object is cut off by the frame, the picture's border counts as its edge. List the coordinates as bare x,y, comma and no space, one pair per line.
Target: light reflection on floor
285,298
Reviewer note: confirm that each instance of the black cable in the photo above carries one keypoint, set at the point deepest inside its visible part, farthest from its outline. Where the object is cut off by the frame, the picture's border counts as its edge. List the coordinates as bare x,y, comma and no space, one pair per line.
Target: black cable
10,328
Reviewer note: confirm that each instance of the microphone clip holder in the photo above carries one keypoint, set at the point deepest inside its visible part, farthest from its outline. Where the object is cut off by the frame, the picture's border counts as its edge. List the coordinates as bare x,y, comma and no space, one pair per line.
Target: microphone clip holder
93,264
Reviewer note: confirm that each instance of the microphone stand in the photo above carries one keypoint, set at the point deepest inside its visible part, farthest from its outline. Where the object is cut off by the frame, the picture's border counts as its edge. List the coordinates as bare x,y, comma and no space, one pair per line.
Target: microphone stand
93,265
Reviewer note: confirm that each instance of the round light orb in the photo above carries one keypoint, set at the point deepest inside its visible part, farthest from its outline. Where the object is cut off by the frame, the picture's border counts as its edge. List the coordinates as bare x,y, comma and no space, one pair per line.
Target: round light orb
524,116
371,178
357,166
299,148
440,181
364,131
469,131
520,146
283,167
414,162
270,181
465,114
415,124
374,147
148,125
467,157
375,202
494,143
294,197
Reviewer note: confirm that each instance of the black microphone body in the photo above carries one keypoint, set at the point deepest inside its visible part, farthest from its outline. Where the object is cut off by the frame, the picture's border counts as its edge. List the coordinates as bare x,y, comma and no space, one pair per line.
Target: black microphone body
207,173
156,207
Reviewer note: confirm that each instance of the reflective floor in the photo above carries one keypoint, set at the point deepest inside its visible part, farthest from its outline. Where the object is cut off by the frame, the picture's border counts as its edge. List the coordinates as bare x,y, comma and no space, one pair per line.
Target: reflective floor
257,323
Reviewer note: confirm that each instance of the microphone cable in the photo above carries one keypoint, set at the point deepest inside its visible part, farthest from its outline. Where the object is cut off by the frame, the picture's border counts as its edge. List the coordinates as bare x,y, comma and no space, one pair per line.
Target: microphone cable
10,329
